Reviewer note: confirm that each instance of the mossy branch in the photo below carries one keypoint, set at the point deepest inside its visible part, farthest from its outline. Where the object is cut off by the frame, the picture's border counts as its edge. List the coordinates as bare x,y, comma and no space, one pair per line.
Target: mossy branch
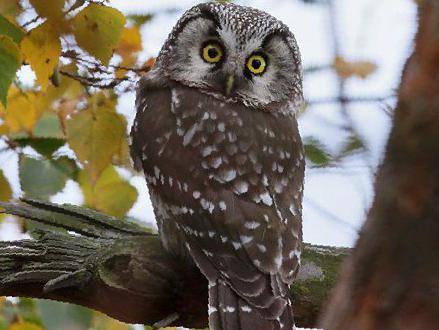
121,269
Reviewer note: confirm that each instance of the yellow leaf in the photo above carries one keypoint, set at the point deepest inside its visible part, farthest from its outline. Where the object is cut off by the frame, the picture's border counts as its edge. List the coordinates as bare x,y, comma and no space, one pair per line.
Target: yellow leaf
4,130
122,157
5,195
103,322
24,326
130,42
53,12
41,49
97,30
347,69
96,135
56,97
10,7
110,194
5,188
21,114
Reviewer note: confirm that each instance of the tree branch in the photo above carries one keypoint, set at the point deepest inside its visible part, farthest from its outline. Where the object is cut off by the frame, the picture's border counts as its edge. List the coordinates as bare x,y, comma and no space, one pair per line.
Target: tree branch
121,269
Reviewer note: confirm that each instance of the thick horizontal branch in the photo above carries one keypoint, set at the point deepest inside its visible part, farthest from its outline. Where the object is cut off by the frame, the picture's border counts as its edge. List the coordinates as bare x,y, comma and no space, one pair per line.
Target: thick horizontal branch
121,269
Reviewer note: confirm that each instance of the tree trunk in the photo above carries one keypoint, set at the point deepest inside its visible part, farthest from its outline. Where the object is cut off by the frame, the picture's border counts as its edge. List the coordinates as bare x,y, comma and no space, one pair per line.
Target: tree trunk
391,281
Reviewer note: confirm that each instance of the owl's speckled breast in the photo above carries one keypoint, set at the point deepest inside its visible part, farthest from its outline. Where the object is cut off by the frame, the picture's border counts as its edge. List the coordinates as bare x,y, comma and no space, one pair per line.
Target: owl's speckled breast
206,155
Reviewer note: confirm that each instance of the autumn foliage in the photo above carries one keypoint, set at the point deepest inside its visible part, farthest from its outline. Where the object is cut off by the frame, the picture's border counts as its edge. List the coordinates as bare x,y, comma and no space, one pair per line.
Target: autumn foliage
65,125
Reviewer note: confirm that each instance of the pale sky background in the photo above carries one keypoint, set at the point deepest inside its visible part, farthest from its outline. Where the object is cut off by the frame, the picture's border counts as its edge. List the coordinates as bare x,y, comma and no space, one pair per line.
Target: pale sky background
336,200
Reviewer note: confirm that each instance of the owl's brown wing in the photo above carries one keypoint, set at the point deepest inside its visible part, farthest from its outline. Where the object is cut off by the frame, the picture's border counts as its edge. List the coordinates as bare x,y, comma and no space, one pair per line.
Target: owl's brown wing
224,179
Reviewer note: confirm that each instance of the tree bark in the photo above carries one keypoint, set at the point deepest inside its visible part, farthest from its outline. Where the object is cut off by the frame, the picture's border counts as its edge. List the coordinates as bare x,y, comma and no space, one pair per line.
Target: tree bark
391,280
121,269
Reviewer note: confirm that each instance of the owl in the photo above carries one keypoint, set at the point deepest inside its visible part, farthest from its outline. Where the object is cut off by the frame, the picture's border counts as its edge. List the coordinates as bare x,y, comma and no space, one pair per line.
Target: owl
216,136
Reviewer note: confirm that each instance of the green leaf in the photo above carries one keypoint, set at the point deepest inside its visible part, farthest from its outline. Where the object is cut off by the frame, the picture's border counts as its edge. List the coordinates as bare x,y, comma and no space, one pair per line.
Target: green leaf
316,153
58,316
111,194
352,145
140,19
48,126
44,146
67,166
96,135
97,30
10,29
28,311
10,61
42,178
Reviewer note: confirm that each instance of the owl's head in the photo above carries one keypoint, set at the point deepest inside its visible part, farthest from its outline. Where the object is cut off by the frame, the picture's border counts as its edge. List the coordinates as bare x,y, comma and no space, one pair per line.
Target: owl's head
236,53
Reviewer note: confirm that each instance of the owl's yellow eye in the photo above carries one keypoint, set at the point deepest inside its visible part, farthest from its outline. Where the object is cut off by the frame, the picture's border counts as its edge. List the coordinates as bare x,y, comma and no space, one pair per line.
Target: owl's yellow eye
212,52
256,64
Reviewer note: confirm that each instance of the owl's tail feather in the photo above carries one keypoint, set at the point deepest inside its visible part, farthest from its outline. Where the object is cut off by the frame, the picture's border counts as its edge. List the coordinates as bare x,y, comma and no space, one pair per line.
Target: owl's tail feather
228,311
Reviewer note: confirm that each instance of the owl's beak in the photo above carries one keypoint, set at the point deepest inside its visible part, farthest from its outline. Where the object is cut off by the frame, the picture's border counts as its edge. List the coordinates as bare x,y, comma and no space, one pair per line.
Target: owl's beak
230,83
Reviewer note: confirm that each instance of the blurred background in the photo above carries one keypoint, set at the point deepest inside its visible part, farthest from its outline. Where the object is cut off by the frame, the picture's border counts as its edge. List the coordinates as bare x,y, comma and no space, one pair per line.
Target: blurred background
353,53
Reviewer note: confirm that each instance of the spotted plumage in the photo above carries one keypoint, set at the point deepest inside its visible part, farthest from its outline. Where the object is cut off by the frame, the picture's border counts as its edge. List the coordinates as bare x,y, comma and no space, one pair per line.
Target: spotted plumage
223,159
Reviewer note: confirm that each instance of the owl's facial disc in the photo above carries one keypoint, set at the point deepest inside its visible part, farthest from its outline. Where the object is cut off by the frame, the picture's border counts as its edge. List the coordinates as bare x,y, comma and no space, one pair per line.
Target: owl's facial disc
221,56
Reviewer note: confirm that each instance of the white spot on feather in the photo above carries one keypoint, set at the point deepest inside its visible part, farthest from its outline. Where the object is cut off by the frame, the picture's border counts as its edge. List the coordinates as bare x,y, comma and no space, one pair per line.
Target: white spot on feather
190,134
252,224
266,199
222,205
246,308
246,239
